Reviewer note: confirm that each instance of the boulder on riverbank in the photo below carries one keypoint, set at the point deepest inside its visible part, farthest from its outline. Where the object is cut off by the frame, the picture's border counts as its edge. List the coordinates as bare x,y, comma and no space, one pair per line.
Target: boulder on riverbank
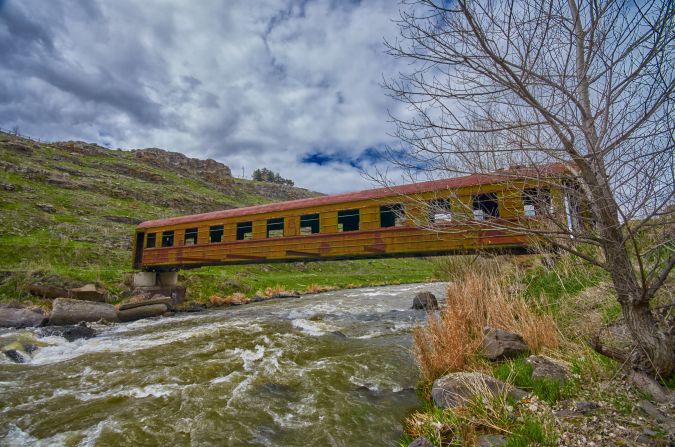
88,292
143,311
47,291
20,317
500,344
456,389
69,311
546,368
425,301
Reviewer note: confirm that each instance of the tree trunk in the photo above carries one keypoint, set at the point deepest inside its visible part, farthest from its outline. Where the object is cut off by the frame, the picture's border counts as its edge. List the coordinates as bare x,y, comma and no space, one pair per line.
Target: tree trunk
655,347
654,354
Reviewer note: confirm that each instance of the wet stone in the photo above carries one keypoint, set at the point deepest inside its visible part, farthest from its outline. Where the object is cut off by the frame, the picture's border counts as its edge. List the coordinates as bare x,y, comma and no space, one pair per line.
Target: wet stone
20,317
70,333
425,301
421,442
14,356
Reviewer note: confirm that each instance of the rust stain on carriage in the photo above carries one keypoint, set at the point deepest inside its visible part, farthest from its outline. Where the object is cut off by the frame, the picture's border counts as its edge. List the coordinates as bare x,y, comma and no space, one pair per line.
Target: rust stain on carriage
370,239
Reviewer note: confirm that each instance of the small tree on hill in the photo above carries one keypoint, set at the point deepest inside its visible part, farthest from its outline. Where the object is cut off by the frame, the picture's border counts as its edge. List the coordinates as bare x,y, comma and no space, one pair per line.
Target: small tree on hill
585,83
267,175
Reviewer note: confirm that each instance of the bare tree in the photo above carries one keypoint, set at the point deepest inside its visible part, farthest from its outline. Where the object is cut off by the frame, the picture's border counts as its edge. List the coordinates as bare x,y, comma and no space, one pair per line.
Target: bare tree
586,83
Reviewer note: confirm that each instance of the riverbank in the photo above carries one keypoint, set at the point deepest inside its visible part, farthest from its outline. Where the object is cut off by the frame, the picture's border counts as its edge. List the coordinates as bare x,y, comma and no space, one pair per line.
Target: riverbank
248,280
541,382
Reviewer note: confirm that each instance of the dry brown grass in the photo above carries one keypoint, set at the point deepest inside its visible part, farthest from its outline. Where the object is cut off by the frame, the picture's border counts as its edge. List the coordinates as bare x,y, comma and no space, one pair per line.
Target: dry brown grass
230,300
451,342
318,288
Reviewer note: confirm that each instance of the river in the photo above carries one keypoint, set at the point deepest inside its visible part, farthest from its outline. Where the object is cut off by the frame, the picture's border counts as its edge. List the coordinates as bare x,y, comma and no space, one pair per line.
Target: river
333,369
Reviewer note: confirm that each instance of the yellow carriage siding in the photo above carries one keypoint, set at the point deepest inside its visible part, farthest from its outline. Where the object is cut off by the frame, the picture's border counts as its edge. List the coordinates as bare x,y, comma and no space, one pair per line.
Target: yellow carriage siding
412,237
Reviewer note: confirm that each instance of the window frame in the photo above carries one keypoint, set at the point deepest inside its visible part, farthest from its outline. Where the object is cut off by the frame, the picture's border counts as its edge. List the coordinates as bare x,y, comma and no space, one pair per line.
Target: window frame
312,220
243,226
148,238
356,212
170,238
395,214
215,229
192,232
437,205
275,221
480,213
538,199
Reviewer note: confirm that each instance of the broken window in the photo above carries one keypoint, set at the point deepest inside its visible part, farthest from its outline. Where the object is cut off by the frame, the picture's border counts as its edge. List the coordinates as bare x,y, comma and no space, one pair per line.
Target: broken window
348,220
485,206
275,227
439,211
309,224
190,236
167,239
392,215
244,231
216,233
536,201
151,240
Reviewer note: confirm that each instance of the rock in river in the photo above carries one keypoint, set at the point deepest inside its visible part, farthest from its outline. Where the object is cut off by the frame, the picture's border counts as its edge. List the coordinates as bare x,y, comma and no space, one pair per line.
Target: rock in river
70,333
68,311
425,300
20,317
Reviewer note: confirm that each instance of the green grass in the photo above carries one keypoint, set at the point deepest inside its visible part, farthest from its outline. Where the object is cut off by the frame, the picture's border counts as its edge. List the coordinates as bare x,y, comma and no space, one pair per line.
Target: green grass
482,416
249,279
567,278
519,372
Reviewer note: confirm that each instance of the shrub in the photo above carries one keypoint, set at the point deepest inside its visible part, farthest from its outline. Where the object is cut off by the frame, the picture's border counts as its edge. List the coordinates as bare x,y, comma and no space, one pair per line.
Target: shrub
452,340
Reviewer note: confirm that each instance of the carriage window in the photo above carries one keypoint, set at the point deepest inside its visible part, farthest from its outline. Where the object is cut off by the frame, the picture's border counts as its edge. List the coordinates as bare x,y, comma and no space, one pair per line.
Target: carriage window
439,211
167,239
309,224
216,233
536,201
275,227
244,231
485,206
348,220
392,215
190,236
151,239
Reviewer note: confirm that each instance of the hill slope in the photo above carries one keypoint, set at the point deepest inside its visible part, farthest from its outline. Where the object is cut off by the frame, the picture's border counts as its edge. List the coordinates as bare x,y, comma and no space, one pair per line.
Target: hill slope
70,207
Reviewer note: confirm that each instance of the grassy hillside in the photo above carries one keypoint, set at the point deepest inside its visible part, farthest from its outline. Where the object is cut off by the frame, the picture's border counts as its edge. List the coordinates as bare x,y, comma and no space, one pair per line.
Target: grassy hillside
68,209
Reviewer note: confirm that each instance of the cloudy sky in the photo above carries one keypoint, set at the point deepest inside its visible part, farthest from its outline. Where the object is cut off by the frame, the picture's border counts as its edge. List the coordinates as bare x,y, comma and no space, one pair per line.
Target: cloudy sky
290,85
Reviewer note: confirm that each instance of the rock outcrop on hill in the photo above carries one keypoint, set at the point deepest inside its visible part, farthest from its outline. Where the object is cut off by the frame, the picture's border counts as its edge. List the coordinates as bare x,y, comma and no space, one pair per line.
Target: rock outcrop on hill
209,170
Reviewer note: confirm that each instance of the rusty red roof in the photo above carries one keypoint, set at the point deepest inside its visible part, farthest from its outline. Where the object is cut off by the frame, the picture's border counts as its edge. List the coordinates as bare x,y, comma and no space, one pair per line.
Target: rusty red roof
368,194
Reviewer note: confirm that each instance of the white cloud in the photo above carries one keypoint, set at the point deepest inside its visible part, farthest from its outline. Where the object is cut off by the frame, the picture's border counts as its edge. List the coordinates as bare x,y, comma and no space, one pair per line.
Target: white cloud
250,84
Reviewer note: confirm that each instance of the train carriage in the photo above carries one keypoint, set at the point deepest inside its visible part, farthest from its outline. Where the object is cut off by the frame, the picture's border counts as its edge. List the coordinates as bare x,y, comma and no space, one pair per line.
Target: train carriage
462,214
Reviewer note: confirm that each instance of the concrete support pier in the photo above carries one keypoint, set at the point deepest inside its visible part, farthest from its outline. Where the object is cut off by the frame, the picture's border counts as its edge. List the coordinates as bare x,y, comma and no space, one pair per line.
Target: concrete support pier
158,283
145,279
